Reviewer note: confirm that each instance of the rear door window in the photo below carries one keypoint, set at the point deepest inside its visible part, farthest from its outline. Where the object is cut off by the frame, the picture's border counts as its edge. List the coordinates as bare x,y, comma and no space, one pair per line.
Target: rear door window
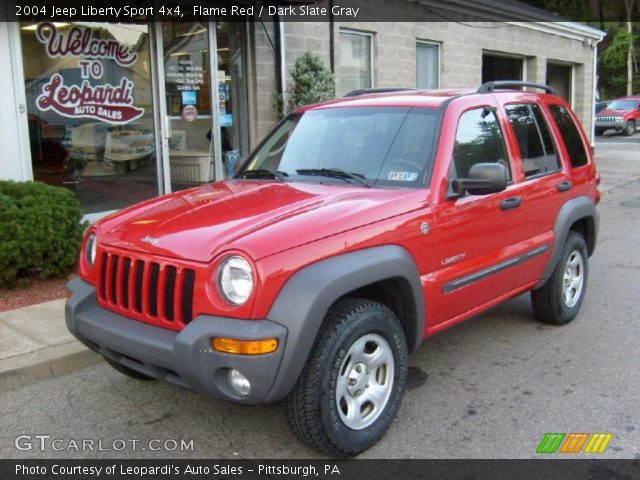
570,135
537,150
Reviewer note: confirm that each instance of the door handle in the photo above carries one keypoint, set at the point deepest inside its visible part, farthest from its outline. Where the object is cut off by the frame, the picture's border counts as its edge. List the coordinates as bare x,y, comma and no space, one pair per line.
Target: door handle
511,202
564,186
167,127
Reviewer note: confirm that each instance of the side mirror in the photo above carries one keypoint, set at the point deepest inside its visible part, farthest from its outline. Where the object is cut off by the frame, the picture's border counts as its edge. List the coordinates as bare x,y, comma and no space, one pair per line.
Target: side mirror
484,178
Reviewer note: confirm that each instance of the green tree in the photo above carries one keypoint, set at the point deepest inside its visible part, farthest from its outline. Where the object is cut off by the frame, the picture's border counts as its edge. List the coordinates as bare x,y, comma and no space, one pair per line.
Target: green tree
576,10
613,71
312,82
632,64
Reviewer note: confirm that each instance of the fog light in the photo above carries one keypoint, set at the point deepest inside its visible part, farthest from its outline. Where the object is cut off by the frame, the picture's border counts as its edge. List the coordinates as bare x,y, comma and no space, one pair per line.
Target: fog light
239,382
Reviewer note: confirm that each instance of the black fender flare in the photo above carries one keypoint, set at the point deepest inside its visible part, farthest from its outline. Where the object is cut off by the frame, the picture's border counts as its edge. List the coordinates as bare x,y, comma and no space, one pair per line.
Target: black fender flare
306,297
572,211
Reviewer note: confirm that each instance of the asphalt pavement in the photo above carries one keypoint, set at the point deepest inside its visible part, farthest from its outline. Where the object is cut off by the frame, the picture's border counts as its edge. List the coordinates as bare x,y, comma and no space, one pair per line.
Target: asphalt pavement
489,388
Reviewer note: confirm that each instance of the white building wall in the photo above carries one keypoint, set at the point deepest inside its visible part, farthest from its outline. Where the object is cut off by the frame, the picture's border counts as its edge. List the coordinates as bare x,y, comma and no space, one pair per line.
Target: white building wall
15,157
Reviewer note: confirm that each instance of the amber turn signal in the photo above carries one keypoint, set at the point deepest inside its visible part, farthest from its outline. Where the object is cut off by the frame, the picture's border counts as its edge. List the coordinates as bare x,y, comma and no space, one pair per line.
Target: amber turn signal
245,347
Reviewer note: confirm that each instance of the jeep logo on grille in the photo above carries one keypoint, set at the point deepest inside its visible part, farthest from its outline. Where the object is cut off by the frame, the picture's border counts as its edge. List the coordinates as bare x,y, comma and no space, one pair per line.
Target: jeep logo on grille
149,239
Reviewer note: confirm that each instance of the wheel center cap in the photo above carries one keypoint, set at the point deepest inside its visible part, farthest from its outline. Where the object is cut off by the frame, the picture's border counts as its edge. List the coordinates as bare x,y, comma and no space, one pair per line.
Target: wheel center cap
357,380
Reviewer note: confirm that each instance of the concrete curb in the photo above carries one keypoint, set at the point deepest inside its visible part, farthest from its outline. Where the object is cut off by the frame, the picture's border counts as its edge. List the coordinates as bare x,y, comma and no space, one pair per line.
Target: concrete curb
35,345
23,370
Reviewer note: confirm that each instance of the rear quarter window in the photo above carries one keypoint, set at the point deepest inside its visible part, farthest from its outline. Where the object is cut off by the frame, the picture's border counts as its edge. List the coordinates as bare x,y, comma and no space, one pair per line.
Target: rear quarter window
570,135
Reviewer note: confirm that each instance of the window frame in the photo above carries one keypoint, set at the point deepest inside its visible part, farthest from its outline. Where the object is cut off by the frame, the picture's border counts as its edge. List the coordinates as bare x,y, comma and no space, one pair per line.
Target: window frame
453,173
438,45
370,36
549,129
580,131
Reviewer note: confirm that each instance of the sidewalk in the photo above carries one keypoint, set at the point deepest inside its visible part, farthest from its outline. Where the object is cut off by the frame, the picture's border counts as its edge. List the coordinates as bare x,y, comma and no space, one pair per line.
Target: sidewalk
35,344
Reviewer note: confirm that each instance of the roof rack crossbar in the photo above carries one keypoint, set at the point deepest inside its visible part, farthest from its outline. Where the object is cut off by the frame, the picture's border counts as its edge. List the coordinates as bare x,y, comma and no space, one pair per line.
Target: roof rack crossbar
367,91
491,86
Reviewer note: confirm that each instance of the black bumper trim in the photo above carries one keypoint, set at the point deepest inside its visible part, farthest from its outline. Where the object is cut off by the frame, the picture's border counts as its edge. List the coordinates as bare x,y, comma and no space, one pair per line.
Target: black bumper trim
183,358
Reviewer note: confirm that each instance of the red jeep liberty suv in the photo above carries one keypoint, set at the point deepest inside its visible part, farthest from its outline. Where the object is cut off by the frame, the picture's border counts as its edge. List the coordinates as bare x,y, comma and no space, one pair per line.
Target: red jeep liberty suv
355,230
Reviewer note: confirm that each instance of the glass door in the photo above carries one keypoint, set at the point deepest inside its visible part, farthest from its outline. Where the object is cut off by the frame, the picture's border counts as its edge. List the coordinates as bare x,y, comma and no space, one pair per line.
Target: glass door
232,93
202,100
187,109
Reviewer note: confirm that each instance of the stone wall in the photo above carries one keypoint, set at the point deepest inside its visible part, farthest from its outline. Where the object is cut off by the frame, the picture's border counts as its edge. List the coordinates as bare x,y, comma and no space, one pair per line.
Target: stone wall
461,50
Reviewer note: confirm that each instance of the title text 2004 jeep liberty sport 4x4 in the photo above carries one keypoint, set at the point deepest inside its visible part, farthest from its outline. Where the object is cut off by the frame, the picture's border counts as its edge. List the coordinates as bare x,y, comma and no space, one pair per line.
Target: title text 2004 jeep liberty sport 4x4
356,229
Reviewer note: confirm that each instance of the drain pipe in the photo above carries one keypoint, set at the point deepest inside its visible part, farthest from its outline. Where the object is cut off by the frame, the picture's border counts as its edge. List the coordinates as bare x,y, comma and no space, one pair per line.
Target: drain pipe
281,59
332,60
593,96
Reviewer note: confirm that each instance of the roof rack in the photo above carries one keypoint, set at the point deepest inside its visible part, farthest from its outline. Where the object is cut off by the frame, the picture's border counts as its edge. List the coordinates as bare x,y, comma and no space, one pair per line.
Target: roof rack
367,91
491,86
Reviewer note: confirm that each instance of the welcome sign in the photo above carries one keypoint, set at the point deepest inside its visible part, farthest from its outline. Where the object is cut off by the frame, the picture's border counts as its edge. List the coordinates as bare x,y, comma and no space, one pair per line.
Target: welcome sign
105,102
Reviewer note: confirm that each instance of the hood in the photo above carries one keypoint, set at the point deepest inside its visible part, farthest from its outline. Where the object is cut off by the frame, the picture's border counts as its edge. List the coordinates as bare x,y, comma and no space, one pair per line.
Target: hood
260,217
612,113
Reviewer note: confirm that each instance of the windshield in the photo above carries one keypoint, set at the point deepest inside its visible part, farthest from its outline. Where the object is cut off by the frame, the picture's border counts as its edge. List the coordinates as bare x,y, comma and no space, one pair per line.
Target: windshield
387,146
623,105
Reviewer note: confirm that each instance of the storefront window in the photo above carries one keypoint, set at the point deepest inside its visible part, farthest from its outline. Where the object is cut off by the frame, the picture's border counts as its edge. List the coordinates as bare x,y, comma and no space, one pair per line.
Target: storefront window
90,110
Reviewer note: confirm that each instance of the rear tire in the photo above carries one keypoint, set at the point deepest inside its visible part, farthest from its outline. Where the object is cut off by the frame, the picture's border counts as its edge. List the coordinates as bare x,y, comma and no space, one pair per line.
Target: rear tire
128,371
353,382
558,301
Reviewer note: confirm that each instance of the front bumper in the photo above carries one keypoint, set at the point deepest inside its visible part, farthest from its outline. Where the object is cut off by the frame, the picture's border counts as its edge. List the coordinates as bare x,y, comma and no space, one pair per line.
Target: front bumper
183,358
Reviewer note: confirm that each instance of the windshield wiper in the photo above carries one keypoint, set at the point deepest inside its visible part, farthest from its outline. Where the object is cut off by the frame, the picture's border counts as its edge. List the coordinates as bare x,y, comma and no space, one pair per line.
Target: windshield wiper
335,173
259,172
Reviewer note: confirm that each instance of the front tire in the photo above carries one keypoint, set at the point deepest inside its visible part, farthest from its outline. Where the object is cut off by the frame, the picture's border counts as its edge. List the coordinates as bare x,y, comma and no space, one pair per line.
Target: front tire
630,128
353,382
558,301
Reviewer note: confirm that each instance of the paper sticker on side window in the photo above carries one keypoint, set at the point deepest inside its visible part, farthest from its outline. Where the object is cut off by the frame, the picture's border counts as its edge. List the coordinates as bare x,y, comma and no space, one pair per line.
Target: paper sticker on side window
403,176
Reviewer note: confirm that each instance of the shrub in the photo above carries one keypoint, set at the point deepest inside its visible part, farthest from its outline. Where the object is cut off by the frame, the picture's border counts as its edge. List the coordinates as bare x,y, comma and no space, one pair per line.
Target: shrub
312,82
40,232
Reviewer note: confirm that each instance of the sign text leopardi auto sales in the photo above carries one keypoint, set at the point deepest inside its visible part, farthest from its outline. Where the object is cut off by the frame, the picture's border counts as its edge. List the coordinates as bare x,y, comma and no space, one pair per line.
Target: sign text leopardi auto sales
105,102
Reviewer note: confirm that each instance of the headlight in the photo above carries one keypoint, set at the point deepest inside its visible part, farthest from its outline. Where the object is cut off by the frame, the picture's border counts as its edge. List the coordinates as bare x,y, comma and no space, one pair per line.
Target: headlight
91,249
618,119
235,280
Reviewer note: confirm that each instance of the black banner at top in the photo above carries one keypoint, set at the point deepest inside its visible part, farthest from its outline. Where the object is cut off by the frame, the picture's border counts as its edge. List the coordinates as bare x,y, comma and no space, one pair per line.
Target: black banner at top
123,11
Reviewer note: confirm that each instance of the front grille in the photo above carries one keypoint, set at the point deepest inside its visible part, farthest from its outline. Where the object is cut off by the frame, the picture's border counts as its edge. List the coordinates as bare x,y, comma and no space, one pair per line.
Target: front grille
155,292
607,119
